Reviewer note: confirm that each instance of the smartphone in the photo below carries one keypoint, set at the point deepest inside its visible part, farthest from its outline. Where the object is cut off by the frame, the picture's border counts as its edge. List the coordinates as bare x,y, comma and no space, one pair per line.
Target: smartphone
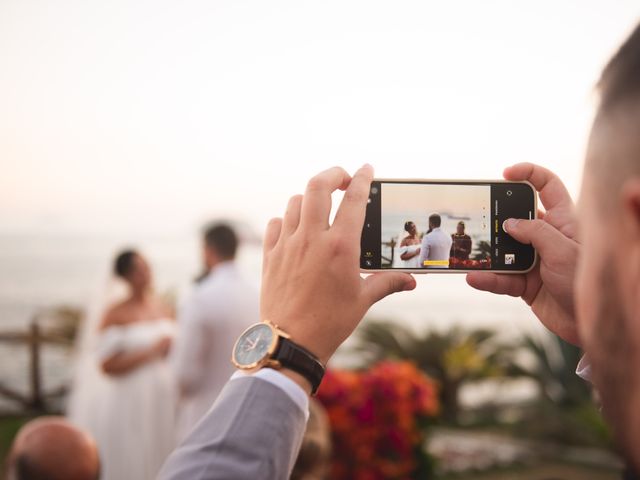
446,226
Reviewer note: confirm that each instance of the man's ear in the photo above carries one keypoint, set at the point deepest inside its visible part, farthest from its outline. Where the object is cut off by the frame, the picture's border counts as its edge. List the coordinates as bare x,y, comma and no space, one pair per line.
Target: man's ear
630,215
631,206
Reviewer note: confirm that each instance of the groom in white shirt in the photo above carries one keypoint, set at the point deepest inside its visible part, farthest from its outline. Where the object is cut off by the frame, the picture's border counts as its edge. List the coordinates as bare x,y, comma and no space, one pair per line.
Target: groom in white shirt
218,310
436,245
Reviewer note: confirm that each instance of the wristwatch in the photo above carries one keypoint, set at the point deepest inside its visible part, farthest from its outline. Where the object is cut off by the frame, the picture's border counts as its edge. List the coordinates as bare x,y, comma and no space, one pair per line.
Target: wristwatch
265,345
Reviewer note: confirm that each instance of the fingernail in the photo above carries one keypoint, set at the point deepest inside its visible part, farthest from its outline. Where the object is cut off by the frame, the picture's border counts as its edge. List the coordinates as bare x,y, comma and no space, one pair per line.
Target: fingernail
510,224
367,165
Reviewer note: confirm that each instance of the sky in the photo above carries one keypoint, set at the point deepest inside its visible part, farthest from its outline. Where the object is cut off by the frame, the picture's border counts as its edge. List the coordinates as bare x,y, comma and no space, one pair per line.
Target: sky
407,202
156,115
457,199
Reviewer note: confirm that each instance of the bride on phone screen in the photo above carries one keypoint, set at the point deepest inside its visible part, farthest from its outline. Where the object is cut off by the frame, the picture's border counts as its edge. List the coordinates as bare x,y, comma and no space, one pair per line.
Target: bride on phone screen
409,251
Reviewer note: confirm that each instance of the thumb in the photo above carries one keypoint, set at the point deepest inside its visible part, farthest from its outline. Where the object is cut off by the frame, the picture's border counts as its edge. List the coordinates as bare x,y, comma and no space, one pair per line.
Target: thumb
543,236
379,285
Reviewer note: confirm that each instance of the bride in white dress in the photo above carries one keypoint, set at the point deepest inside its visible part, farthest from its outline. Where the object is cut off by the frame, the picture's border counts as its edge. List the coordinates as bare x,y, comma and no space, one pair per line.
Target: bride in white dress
409,249
125,394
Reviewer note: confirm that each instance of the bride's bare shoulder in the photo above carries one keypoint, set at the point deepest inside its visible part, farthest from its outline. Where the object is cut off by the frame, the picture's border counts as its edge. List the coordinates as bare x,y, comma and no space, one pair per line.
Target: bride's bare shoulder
118,314
168,311
162,308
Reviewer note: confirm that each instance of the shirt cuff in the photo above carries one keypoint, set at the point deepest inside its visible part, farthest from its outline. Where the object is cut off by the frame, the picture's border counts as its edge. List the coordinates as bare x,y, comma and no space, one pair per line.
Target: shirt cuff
583,370
280,380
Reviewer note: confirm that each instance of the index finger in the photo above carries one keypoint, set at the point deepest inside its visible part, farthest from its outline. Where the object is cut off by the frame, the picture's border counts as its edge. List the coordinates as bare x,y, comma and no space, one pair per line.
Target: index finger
316,202
351,213
553,193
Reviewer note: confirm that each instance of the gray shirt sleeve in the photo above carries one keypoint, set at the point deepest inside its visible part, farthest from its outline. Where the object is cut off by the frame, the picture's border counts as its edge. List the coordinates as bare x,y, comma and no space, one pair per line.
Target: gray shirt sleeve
254,430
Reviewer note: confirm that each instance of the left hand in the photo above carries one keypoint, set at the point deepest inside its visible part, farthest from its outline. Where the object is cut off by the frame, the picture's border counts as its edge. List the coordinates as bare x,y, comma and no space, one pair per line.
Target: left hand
548,287
311,282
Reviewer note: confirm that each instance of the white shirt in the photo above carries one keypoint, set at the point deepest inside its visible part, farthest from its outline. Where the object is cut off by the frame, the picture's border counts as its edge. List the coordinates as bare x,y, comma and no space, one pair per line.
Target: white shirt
436,245
583,370
219,309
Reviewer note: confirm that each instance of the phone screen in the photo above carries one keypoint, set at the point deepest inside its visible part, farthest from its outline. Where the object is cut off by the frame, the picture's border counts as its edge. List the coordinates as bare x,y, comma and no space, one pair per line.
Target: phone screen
444,225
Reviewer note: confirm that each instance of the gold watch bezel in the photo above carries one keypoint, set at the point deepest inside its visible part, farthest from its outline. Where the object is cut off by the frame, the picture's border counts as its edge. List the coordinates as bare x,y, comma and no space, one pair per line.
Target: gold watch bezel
266,360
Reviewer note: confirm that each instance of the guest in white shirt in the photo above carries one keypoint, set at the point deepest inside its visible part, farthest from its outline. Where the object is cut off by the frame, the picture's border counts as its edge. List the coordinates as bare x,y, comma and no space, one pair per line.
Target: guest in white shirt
436,245
221,306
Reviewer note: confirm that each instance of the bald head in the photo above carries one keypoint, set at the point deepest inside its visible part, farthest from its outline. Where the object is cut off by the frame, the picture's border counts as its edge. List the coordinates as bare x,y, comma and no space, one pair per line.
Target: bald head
52,448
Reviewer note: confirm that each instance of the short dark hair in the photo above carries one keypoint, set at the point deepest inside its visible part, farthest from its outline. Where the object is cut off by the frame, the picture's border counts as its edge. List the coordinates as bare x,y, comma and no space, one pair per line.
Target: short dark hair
123,264
25,468
614,144
221,238
435,220
620,79
407,225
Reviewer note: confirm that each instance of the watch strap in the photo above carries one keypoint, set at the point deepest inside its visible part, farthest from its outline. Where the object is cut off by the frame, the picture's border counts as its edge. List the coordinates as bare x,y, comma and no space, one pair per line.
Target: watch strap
300,360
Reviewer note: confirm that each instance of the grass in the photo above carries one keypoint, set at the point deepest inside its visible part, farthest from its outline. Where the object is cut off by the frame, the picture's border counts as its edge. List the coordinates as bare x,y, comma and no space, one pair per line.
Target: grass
9,426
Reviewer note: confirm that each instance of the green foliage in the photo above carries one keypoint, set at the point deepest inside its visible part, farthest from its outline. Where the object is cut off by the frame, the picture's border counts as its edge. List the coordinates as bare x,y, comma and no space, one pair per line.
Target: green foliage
577,425
453,358
482,250
565,411
9,426
554,370
457,353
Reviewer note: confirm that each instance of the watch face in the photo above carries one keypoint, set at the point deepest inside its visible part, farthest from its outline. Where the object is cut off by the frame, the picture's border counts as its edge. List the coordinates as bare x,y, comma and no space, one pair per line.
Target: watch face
253,345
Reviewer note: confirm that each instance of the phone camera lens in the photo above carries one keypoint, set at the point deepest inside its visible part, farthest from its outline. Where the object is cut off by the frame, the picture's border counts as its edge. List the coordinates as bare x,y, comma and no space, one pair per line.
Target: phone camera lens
374,190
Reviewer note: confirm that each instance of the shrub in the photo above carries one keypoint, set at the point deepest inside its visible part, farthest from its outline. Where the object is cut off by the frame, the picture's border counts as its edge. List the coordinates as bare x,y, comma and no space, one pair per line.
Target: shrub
379,419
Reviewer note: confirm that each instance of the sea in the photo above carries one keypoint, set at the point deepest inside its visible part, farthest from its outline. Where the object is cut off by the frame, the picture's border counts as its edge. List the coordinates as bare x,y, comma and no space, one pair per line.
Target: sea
43,271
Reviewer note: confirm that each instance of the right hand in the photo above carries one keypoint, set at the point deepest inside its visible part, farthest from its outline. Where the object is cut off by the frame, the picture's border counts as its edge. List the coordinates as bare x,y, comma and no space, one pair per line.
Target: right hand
548,288
312,287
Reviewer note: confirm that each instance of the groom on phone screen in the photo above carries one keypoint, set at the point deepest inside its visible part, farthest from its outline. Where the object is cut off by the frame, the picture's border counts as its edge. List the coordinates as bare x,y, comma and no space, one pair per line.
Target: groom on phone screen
436,245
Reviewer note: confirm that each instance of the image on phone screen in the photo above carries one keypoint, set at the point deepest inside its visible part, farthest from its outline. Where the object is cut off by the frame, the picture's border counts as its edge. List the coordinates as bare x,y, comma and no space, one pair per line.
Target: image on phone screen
444,225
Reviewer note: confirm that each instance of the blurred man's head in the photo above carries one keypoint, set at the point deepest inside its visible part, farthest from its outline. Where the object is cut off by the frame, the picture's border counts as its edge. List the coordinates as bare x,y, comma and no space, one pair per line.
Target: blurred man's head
50,448
608,280
220,244
434,221
460,228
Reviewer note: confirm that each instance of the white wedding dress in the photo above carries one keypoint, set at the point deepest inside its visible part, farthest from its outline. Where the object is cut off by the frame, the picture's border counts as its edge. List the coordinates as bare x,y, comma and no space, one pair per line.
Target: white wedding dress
131,416
413,262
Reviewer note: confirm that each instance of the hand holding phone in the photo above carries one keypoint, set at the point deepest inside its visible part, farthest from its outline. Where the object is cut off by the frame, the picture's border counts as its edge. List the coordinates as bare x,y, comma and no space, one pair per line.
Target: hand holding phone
320,311
548,288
